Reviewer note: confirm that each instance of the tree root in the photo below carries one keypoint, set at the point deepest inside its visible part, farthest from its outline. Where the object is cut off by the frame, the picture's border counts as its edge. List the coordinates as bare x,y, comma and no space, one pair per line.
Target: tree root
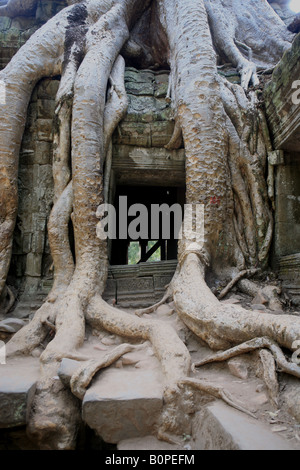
270,376
215,391
152,308
248,346
237,278
176,140
83,376
168,347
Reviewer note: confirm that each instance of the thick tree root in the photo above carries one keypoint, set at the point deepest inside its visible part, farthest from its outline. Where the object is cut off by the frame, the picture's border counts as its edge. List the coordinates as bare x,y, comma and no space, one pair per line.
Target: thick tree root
55,414
169,349
248,346
215,391
33,334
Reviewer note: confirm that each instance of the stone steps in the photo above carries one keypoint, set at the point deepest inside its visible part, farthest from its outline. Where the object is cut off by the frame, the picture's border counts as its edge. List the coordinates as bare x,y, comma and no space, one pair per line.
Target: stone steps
220,427
18,378
123,406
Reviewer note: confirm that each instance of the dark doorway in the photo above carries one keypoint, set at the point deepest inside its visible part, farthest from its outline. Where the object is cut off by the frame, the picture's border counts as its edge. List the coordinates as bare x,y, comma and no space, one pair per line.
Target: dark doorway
146,248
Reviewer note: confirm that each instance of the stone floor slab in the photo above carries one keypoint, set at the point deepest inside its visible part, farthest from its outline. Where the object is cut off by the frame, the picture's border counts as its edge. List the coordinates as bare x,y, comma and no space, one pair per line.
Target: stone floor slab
18,379
221,427
123,404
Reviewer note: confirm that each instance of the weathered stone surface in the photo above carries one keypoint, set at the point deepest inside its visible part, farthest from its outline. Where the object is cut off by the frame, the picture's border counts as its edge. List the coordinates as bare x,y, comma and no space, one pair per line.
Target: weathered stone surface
258,307
220,427
283,112
260,299
66,370
123,404
17,386
141,285
238,368
164,310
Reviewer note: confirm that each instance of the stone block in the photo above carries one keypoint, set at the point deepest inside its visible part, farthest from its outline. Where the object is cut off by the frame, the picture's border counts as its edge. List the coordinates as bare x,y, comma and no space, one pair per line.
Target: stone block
220,427
43,153
137,134
45,108
17,387
138,88
66,370
12,325
47,88
44,129
33,265
123,404
238,368
38,242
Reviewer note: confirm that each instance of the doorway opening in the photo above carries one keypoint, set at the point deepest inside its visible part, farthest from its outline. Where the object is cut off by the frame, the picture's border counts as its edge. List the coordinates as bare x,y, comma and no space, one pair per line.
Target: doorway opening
144,248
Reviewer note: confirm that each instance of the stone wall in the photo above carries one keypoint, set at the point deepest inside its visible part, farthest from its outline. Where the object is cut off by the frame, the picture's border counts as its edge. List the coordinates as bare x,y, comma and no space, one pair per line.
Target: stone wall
282,112
138,145
283,115
15,32
31,254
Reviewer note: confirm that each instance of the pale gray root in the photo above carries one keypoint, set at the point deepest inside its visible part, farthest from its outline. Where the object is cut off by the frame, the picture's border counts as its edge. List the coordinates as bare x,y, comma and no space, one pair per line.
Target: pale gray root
115,109
247,156
242,39
83,376
107,172
62,149
222,326
251,345
55,415
63,115
42,55
117,101
235,280
216,392
269,375
104,40
32,335
169,349
58,233
269,147
176,140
